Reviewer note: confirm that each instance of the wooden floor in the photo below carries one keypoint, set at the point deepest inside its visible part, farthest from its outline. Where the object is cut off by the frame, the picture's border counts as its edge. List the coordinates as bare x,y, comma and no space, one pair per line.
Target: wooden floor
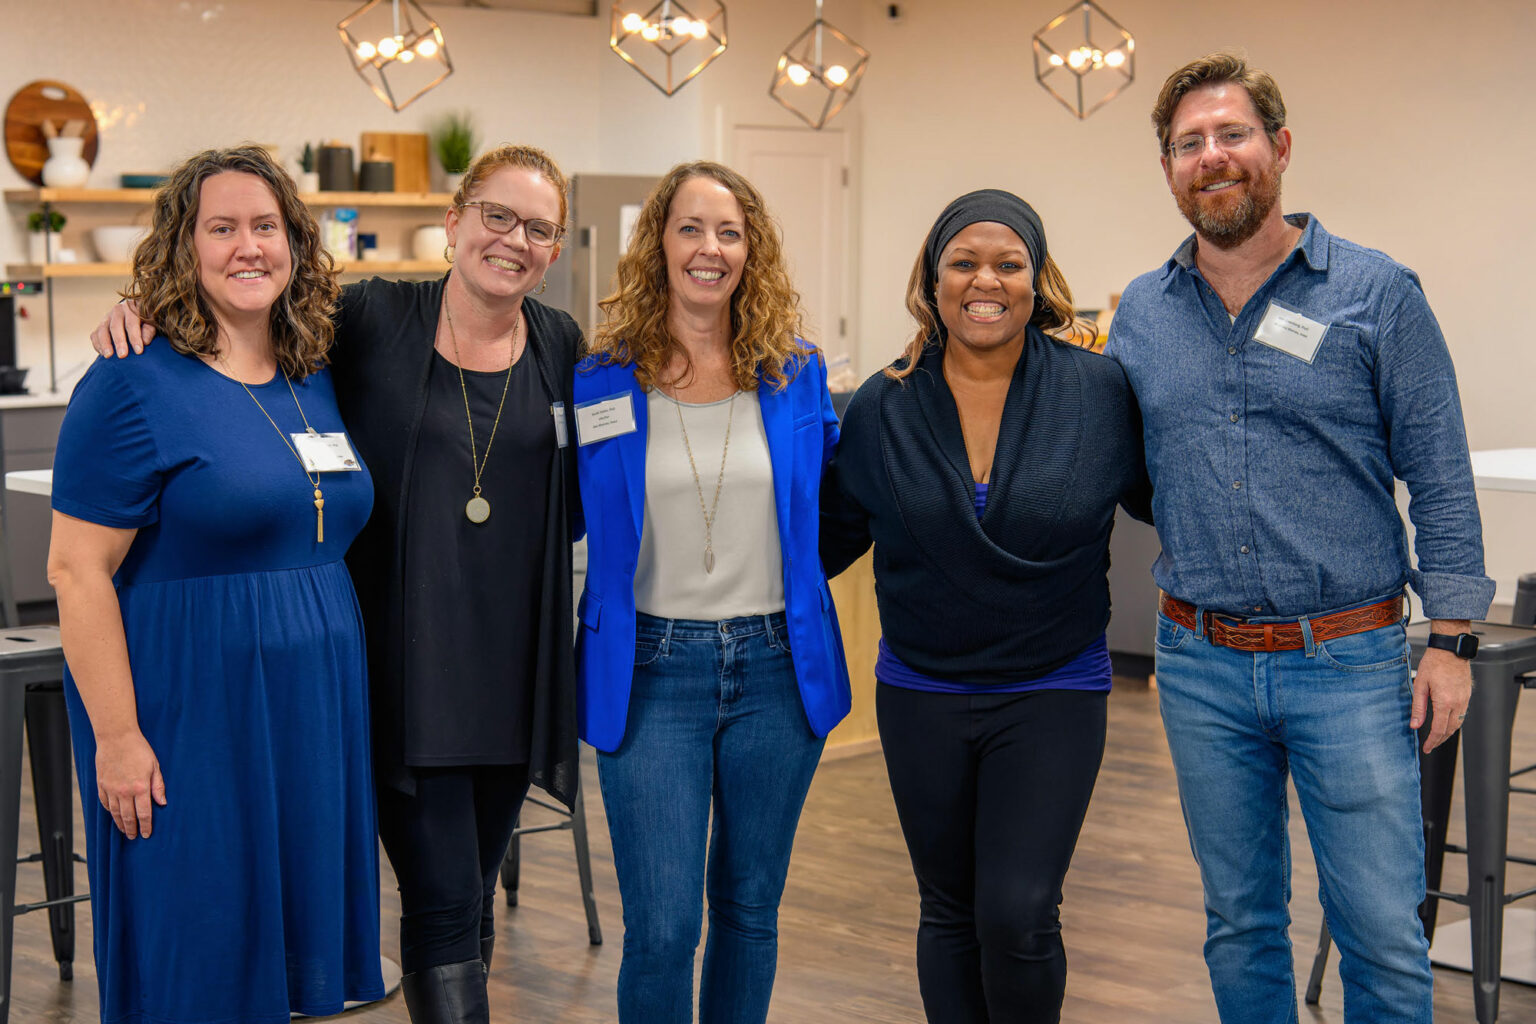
1132,915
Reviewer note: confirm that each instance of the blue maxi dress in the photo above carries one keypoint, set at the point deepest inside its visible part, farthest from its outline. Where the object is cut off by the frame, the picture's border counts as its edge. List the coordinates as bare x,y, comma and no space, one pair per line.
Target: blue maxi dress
258,892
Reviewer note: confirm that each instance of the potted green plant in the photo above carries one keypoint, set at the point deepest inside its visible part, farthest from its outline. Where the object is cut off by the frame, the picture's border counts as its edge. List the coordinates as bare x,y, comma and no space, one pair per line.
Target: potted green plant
453,140
309,179
39,226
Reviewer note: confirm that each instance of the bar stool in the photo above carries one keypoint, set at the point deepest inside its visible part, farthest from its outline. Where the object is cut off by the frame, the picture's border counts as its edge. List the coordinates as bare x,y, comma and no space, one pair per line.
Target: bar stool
1505,664
31,691
574,822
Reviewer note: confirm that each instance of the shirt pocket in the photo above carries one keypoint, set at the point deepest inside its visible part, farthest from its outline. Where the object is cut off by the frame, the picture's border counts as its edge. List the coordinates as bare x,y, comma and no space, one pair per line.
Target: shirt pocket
1337,386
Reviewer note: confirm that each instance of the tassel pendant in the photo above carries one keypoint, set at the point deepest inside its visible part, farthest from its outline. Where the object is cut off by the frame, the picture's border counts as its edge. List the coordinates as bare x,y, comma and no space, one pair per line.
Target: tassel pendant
319,517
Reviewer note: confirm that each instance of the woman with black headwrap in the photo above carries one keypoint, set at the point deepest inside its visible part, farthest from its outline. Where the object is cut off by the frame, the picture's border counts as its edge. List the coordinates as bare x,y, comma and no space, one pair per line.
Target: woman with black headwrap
985,465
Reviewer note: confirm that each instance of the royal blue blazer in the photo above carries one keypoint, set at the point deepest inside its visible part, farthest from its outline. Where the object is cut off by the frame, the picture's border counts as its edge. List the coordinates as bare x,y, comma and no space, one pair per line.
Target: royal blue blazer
802,434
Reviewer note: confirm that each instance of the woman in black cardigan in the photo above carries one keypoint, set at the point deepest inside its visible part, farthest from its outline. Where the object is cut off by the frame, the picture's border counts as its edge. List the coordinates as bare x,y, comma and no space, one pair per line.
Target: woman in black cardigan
463,572
985,466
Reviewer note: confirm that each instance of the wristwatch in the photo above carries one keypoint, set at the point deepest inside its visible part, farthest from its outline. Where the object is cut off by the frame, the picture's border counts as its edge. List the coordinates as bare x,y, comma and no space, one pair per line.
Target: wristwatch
1463,645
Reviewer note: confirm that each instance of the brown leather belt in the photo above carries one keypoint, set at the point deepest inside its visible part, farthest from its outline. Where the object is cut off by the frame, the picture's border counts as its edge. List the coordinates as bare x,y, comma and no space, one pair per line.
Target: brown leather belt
1282,636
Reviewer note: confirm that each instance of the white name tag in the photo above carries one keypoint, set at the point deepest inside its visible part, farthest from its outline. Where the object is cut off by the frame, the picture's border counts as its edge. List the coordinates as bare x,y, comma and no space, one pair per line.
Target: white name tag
325,453
1289,332
602,418
558,412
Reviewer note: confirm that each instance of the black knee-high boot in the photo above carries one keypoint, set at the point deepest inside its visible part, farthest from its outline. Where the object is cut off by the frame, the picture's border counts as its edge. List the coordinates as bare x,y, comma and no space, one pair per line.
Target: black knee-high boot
450,994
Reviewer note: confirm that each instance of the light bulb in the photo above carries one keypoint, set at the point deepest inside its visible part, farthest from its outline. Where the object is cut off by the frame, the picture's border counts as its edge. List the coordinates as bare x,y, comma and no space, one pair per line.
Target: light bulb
798,74
632,22
365,50
837,74
682,26
389,46
1056,60
650,33
427,47
700,29
1114,58
1077,58
406,56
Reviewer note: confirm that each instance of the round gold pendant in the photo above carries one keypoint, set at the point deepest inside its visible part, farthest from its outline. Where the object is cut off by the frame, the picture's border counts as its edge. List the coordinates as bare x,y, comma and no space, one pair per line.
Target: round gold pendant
477,510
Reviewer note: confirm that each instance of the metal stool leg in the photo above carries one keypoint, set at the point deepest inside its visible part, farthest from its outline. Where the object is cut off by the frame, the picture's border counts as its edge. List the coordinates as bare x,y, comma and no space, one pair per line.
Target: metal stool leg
584,866
512,865
11,713
53,792
1485,758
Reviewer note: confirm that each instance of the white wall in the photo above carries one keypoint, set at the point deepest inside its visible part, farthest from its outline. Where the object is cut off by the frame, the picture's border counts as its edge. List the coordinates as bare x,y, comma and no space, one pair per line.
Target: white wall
1412,124
1413,134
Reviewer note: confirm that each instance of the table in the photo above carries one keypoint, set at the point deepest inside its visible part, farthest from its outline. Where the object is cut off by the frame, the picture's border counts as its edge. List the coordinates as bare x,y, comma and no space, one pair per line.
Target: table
40,481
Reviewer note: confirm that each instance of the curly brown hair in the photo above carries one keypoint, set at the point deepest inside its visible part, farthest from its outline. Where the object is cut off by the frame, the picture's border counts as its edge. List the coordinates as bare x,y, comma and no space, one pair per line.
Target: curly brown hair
766,321
1217,69
164,285
1054,314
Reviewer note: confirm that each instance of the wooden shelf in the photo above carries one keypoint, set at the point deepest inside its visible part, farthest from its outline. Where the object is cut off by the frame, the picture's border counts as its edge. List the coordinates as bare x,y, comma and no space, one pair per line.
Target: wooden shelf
144,196
50,271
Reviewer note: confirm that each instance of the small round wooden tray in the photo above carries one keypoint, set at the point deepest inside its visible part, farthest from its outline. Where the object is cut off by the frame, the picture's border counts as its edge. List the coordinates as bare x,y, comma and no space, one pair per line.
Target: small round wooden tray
33,104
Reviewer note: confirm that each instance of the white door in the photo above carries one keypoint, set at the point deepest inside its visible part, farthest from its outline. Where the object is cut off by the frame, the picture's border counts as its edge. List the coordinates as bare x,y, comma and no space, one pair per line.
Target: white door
803,176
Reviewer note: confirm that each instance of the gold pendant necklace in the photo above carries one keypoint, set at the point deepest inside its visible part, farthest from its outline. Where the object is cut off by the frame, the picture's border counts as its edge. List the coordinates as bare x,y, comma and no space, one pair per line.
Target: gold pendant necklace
477,510
714,509
313,479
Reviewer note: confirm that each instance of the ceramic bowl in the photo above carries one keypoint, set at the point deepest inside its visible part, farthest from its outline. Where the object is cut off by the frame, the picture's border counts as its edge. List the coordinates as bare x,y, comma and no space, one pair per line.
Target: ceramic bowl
114,243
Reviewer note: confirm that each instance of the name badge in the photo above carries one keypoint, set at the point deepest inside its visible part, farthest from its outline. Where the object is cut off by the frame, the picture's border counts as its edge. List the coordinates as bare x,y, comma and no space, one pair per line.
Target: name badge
558,412
1290,332
325,453
602,418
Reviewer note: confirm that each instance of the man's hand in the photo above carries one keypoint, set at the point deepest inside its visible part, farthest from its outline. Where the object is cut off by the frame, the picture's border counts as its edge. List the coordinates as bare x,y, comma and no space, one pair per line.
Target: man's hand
120,331
1442,689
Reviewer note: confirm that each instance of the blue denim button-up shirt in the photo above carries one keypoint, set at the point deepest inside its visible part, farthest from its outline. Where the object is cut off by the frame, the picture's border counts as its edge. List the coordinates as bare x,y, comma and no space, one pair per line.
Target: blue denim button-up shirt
1272,476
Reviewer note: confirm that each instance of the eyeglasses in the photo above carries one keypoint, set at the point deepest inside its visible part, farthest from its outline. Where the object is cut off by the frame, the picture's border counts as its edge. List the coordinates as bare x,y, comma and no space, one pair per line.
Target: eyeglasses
501,220
1231,138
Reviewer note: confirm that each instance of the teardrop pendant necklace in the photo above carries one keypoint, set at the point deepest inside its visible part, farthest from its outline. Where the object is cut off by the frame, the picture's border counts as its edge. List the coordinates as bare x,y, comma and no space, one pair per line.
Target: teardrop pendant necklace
313,478
714,508
477,510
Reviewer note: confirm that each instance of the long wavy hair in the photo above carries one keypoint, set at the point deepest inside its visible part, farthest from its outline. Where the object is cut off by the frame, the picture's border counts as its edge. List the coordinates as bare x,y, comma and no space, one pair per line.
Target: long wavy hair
1054,314
164,285
766,321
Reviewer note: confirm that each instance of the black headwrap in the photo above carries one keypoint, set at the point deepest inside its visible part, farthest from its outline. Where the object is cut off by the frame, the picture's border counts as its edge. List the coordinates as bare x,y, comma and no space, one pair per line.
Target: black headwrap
988,204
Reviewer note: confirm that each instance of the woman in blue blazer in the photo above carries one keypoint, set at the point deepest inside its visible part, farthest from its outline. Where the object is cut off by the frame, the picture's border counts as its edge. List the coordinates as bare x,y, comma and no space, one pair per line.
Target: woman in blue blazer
710,665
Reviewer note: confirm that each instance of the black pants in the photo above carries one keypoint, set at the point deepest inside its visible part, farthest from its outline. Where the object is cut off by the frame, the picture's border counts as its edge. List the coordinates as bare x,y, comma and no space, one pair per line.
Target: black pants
446,844
991,791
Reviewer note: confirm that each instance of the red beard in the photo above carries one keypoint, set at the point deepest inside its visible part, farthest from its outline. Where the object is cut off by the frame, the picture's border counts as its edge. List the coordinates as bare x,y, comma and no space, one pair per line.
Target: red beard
1228,219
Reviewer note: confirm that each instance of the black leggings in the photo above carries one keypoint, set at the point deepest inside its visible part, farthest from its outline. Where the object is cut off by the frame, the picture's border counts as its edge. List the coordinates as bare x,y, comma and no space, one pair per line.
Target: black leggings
991,791
446,844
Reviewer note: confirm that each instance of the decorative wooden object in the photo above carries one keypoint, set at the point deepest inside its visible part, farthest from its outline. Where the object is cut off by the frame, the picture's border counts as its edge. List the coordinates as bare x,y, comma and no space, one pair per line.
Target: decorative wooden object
34,103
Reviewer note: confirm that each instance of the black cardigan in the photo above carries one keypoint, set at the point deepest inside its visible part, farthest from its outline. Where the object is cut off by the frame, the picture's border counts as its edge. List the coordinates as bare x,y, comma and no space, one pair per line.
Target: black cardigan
380,366
1024,590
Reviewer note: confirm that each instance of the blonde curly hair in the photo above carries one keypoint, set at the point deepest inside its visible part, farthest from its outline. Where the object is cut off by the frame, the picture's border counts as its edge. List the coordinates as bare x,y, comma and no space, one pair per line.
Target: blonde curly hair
766,321
164,283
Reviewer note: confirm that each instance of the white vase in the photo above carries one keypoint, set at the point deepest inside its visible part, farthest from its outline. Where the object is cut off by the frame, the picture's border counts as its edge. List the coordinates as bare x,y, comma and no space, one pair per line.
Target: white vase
38,247
309,181
65,167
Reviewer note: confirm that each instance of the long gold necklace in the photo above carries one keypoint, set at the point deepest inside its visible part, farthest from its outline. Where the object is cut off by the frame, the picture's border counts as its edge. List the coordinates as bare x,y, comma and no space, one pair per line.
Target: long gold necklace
477,510
314,479
714,509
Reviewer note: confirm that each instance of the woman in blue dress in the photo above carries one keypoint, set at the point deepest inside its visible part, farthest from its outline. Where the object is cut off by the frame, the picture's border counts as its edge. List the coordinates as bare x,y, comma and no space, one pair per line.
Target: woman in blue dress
204,496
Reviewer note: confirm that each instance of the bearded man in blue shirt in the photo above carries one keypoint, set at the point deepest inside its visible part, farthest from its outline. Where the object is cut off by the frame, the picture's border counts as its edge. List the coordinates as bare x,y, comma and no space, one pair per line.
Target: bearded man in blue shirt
1286,377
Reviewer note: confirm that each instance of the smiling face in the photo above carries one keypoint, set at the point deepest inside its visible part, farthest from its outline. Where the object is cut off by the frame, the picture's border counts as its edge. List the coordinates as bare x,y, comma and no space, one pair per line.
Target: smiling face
504,268
705,245
243,260
1227,194
985,288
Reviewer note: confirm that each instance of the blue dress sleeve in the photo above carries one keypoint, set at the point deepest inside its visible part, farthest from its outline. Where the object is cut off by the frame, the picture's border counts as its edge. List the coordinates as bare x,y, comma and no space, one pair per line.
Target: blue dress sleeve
106,469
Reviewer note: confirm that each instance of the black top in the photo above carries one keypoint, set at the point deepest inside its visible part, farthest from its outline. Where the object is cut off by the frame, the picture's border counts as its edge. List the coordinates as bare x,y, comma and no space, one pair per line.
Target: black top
381,367
1023,590
471,677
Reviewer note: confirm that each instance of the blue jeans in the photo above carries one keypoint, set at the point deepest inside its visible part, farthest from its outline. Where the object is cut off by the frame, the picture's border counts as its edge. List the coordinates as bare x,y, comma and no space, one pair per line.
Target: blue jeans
715,717
1335,718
